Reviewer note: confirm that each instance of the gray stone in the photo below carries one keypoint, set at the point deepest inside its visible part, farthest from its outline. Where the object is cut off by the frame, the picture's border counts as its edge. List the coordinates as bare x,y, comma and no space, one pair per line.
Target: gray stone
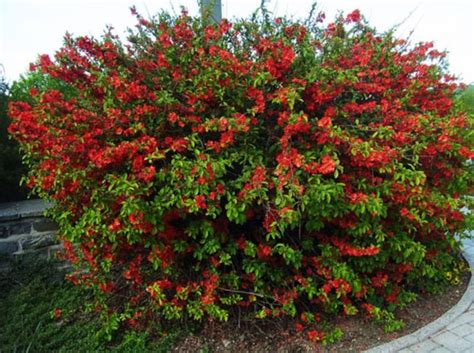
22,209
406,350
8,212
47,252
45,225
451,340
43,253
8,247
441,349
466,318
53,251
4,232
20,228
470,337
463,330
425,346
37,241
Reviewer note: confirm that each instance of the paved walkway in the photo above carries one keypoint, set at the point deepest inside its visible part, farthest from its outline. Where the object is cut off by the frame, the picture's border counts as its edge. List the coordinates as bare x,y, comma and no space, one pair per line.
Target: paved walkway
452,332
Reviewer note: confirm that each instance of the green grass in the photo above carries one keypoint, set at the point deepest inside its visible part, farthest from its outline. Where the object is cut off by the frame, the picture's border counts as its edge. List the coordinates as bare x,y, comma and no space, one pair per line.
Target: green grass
29,294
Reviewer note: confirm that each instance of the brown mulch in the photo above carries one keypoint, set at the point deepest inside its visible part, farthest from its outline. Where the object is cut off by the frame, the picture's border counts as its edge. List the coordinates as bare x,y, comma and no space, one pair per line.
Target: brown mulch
359,333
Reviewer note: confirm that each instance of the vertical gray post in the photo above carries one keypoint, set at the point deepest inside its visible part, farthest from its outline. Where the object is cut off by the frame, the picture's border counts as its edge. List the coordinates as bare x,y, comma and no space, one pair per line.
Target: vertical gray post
215,12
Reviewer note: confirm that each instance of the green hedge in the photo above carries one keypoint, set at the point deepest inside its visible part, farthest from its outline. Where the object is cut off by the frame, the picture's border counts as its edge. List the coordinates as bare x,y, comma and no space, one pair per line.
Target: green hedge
266,166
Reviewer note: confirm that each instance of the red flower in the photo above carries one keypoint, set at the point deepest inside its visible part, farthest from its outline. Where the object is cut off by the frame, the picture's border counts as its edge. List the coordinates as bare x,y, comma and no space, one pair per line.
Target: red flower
106,287
299,327
369,308
179,145
259,99
314,335
57,313
324,122
289,158
200,202
173,117
404,211
379,280
164,284
354,16
263,251
241,243
327,165
270,218
147,174
357,197
115,226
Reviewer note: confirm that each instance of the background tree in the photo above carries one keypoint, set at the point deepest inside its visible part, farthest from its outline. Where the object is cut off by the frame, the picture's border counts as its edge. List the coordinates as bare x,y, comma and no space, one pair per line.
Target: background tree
467,99
11,167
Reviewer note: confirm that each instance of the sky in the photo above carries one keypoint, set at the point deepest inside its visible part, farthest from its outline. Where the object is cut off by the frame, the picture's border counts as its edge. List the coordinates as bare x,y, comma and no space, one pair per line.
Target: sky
32,27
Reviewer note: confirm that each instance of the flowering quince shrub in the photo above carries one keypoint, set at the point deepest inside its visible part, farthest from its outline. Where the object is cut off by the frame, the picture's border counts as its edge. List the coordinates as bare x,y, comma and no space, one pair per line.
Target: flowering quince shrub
290,169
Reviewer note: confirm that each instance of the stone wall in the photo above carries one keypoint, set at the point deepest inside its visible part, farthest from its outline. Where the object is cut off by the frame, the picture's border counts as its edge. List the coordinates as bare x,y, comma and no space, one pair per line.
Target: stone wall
24,229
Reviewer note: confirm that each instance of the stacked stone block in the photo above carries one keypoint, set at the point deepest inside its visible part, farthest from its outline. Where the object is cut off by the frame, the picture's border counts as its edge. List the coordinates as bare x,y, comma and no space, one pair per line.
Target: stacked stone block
25,230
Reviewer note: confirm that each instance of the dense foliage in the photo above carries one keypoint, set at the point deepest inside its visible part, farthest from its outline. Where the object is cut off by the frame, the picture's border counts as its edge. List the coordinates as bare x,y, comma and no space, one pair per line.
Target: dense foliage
11,168
283,168
467,99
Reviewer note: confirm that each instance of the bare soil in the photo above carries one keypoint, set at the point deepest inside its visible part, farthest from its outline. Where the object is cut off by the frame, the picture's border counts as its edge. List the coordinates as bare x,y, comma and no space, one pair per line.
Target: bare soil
360,333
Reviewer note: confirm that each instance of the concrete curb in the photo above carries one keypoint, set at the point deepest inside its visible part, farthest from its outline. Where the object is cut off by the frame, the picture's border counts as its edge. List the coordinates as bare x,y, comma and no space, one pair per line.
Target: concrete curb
443,321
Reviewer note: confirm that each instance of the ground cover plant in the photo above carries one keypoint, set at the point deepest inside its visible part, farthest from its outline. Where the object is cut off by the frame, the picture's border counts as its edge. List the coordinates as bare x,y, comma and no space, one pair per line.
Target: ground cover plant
263,168
43,313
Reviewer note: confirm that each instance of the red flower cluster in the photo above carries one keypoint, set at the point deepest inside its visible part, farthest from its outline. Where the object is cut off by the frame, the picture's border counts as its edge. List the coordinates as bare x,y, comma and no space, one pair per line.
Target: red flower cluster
348,249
